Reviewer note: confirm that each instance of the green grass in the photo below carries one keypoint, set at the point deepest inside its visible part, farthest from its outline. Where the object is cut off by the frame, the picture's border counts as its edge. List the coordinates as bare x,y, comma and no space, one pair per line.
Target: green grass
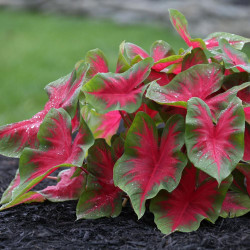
37,49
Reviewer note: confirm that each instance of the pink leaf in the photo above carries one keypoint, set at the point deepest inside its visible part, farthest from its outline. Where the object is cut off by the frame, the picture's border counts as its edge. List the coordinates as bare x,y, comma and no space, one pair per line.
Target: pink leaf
108,92
215,148
68,187
142,174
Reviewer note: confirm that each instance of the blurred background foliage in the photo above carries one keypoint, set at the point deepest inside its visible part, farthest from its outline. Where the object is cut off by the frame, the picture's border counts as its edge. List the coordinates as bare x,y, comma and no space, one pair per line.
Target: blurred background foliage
38,48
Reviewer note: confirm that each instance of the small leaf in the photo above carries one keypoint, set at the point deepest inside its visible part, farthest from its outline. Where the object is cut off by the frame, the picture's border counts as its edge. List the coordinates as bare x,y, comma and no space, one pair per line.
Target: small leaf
192,201
215,148
160,49
197,56
108,91
101,198
133,50
101,125
237,42
97,61
67,188
122,63
142,174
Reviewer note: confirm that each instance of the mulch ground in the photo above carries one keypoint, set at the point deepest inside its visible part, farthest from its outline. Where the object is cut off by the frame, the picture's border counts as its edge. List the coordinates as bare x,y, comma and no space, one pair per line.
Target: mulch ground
53,226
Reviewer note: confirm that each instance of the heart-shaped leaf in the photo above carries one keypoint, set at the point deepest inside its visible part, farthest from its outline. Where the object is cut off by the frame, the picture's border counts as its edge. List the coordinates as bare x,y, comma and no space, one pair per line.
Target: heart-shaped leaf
108,91
215,148
63,93
101,198
198,81
192,201
142,174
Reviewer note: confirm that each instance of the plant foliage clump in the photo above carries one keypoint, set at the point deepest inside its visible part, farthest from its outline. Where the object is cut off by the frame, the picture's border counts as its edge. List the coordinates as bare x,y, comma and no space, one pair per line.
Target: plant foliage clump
169,131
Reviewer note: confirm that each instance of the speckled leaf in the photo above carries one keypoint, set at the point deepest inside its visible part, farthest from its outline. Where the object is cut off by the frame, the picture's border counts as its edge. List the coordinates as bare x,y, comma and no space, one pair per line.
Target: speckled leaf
56,149
101,198
180,24
108,91
147,166
212,41
190,203
63,93
198,81
215,148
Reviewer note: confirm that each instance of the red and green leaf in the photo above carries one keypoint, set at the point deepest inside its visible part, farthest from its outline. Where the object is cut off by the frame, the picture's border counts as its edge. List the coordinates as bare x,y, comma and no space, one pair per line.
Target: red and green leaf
101,198
198,81
67,188
237,42
122,62
133,50
192,201
180,24
56,149
142,174
197,56
63,93
101,125
215,148
237,200
160,49
108,91
233,57
97,61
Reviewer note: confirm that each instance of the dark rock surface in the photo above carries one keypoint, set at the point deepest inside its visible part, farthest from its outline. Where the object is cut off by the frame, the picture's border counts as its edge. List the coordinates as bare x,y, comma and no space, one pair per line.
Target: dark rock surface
53,226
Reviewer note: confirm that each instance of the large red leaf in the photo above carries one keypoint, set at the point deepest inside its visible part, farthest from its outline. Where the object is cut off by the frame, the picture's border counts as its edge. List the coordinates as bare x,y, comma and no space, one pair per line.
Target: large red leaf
215,148
56,149
63,93
198,81
108,91
212,41
192,201
101,198
180,24
69,187
146,167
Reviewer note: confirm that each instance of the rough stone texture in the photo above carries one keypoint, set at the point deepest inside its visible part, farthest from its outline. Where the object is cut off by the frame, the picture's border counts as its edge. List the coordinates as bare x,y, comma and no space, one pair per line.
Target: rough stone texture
204,16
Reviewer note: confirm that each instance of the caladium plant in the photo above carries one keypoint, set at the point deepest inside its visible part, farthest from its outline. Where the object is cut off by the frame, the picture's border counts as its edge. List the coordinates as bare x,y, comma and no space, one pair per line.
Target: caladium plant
167,131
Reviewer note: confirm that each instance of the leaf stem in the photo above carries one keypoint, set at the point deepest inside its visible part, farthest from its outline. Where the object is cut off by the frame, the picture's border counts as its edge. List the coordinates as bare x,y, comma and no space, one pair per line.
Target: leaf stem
52,178
124,202
84,170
